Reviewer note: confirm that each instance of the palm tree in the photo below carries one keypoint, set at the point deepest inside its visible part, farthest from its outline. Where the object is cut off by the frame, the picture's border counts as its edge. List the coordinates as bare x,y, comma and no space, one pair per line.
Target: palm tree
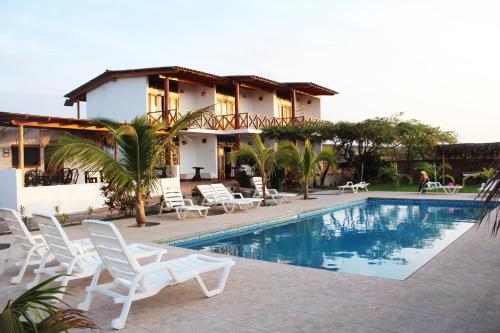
393,173
304,161
490,196
262,157
38,310
141,149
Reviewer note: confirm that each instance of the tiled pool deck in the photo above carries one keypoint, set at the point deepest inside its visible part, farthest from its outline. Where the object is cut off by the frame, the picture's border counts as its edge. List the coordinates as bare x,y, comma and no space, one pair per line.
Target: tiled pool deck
457,291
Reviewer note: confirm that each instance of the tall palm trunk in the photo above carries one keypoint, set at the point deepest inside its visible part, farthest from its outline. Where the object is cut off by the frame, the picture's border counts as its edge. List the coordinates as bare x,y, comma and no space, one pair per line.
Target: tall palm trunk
140,212
306,187
264,181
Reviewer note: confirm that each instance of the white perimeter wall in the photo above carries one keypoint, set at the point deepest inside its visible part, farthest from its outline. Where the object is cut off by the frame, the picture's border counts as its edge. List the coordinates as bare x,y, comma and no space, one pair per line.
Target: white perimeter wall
312,110
195,153
70,198
120,100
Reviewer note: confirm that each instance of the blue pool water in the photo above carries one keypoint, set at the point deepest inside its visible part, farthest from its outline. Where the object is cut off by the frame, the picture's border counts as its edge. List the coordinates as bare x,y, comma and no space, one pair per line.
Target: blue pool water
377,237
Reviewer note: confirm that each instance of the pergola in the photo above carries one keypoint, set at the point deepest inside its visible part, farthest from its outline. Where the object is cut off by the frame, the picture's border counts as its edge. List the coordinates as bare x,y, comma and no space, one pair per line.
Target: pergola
22,121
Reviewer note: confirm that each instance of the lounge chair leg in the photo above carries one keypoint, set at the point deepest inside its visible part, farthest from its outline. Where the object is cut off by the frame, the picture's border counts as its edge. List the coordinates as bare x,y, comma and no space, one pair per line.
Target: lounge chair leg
19,277
85,305
38,275
221,285
119,323
64,284
179,215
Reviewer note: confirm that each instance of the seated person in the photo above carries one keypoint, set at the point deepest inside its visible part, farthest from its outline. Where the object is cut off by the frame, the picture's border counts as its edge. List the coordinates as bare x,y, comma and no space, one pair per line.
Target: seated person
424,179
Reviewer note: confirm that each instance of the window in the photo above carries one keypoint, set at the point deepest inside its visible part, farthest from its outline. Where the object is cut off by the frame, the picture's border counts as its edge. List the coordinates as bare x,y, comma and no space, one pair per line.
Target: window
157,101
284,108
31,156
225,105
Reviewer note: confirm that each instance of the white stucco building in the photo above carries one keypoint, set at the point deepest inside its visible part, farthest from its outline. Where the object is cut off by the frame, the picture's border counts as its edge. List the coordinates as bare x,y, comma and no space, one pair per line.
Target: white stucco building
242,106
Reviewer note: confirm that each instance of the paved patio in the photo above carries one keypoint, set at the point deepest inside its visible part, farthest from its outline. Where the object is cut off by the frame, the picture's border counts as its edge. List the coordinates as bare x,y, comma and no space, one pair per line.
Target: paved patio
457,291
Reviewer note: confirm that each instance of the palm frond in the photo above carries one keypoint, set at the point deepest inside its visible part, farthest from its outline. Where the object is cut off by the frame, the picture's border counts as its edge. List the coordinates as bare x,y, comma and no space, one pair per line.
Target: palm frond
38,310
490,200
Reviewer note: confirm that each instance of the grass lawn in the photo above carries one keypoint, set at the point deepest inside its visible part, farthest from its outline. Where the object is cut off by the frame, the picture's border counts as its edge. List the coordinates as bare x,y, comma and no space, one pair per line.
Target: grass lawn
413,187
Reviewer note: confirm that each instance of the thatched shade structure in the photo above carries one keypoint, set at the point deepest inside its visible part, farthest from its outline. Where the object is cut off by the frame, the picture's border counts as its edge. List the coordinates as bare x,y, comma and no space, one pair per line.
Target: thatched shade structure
470,150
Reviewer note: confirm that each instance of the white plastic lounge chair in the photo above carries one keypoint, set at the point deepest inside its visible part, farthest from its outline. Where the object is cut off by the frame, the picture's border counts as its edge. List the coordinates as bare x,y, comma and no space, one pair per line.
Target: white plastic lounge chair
77,259
436,186
237,198
348,186
26,249
210,198
362,186
485,187
271,193
173,199
143,281
353,187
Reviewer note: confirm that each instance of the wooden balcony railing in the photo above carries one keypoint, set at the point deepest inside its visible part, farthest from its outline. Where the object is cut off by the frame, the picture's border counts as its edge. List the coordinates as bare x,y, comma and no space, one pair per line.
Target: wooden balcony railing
213,121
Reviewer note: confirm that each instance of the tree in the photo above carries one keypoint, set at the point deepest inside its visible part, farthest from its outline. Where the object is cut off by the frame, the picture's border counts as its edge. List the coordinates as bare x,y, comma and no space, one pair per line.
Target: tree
262,158
419,140
436,172
303,161
393,173
38,310
141,147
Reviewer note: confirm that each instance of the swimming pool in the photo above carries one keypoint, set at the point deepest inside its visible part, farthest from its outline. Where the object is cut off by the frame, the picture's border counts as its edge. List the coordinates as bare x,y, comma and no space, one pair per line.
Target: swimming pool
378,237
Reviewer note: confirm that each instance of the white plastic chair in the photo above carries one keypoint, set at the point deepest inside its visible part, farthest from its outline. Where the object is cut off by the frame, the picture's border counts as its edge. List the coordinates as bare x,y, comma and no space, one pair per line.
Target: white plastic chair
210,198
236,198
437,186
143,281
362,186
348,186
487,187
74,259
173,199
271,193
30,248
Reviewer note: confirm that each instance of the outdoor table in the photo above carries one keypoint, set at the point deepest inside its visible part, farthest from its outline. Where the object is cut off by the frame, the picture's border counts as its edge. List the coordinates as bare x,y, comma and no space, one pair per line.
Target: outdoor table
197,175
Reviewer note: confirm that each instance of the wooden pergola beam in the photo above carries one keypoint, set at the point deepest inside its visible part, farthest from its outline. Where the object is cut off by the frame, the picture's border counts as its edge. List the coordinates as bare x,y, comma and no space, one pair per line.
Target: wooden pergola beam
56,125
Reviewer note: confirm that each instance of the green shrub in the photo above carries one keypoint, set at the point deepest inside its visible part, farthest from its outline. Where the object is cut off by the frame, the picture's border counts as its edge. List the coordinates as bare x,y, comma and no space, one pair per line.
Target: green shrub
244,180
60,216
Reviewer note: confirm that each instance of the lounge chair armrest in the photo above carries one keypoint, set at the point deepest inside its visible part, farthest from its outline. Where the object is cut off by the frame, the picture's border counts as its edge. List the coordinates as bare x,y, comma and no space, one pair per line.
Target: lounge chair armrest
38,238
168,203
238,195
86,255
188,202
272,191
147,250
152,268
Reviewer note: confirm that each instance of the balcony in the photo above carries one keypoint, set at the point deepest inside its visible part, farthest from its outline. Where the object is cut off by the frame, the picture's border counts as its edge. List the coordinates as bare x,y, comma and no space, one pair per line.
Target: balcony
228,122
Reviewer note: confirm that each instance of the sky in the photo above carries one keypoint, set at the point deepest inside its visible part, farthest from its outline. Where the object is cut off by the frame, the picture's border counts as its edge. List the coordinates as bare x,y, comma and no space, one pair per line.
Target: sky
436,61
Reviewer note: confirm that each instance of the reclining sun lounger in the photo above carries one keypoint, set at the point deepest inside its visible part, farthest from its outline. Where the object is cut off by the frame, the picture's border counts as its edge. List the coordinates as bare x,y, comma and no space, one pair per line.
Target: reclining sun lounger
211,199
436,186
487,187
76,259
173,199
271,193
26,249
237,198
354,187
147,280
